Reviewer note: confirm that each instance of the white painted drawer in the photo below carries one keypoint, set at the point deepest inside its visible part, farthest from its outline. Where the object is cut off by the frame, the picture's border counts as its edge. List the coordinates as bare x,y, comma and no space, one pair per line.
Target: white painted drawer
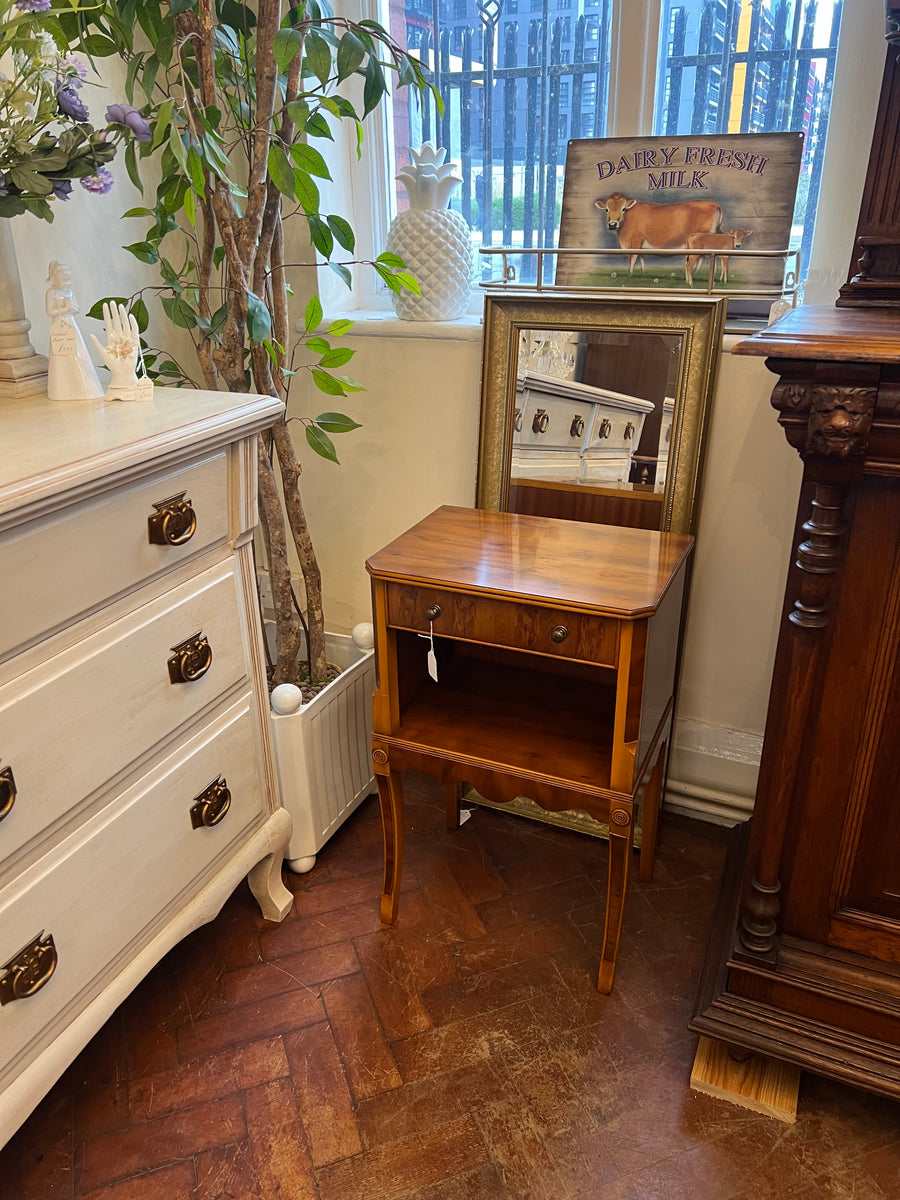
545,464
615,427
107,888
72,723
56,569
606,466
549,422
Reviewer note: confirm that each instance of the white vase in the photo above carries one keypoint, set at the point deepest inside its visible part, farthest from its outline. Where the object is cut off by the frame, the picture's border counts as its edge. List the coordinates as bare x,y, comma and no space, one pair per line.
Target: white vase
23,373
434,242
323,749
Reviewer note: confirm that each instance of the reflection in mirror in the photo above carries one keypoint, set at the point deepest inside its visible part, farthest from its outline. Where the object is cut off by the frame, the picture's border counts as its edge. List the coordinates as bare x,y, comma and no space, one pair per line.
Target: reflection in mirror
594,408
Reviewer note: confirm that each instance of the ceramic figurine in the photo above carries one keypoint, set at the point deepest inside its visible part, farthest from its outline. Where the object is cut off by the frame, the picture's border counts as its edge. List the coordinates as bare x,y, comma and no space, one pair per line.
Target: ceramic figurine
121,355
72,375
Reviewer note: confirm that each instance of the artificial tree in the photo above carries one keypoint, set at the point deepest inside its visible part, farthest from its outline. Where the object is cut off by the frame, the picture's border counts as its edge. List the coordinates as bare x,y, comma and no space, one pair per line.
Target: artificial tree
236,95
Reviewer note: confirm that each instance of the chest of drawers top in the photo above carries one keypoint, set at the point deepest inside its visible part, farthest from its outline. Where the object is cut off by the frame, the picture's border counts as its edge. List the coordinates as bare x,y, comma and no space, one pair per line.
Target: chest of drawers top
604,569
55,450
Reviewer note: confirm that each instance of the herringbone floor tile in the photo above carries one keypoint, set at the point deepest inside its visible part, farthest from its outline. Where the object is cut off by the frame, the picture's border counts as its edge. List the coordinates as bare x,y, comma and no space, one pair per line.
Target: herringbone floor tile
462,1055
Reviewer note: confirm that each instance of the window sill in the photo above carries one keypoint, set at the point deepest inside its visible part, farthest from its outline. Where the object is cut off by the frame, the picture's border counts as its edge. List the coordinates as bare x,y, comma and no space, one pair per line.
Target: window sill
374,323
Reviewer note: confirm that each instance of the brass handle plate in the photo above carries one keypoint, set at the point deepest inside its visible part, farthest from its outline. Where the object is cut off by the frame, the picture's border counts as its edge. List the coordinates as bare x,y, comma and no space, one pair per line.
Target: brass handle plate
173,523
559,634
29,970
541,422
432,612
605,428
210,807
7,792
191,659
577,427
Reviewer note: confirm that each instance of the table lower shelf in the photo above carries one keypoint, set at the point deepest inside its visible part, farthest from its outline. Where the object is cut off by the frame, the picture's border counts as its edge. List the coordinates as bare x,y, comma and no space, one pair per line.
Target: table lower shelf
551,728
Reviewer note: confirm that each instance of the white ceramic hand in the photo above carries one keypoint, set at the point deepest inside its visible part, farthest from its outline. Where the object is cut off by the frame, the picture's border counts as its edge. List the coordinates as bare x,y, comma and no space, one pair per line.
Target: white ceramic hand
121,350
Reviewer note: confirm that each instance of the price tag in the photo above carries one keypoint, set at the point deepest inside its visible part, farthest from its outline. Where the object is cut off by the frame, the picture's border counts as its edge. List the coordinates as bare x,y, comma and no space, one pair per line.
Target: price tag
432,657
62,339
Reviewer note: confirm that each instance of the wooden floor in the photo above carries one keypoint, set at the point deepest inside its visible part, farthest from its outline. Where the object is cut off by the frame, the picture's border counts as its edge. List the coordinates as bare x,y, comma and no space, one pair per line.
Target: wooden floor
464,1055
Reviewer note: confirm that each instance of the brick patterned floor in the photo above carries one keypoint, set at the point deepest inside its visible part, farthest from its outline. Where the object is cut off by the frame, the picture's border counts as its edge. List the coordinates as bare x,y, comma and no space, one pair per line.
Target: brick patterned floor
463,1055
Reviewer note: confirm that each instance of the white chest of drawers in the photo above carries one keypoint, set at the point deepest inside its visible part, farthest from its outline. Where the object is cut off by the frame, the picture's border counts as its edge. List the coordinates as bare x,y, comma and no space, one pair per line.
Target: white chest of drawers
137,783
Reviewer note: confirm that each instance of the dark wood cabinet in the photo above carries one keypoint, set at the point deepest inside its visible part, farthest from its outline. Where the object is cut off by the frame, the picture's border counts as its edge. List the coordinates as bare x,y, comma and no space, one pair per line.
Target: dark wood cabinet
804,964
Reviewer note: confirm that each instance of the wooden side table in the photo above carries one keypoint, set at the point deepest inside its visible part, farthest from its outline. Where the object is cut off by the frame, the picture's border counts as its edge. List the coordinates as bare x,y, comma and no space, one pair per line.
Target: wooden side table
555,647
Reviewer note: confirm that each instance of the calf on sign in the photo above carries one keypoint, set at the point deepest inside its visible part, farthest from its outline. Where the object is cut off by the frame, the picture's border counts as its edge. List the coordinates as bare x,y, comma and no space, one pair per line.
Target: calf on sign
728,239
638,224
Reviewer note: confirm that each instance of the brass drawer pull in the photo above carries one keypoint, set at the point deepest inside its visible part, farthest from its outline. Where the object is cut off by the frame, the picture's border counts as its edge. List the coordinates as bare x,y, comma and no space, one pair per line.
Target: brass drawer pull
559,634
7,792
577,427
173,523
191,660
605,428
541,422
210,807
433,612
517,420
629,431
28,971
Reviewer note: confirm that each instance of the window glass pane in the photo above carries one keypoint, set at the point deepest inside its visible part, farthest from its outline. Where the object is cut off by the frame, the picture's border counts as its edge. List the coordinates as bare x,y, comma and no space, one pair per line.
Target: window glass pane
752,66
518,80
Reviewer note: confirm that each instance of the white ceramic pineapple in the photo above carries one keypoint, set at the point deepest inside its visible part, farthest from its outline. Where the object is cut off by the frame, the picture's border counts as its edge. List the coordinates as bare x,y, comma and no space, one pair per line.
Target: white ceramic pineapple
433,241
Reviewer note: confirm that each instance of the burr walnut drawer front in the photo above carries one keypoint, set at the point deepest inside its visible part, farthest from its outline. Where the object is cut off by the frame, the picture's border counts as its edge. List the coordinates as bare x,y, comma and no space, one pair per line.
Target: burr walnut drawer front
59,568
75,918
491,621
80,717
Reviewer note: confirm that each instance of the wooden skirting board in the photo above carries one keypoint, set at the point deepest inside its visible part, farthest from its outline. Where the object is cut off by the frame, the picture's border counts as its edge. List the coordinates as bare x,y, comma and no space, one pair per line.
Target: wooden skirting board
762,1084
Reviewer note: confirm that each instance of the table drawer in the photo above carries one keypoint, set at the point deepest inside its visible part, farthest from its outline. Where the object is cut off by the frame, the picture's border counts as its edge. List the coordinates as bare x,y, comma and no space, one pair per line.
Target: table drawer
110,885
506,623
57,569
551,423
76,720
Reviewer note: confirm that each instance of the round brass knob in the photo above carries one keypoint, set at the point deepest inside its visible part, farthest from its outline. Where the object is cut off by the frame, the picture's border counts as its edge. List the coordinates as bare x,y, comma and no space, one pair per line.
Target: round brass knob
559,634
432,612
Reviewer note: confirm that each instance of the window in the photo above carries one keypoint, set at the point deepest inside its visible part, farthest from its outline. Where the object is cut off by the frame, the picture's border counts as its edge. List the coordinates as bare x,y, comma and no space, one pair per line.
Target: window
517,85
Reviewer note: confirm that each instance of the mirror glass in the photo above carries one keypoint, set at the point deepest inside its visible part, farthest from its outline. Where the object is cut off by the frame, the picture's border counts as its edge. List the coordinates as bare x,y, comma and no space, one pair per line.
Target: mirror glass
594,408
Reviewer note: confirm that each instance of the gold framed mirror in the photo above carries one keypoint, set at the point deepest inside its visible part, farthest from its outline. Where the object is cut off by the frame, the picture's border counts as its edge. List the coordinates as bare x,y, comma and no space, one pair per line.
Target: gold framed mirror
595,407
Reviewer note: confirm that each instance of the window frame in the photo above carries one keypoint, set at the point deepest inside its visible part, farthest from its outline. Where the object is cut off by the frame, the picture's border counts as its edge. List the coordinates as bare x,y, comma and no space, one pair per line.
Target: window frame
634,47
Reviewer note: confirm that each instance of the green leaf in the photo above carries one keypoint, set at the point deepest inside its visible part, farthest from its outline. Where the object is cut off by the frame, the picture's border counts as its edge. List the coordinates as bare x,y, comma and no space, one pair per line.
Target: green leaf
190,206
339,328
179,312
298,111
259,322
336,422
96,310
288,43
318,56
342,272
310,160
179,6
141,315
318,345
327,383
408,282
218,319
307,193
387,275
321,443
313,316
195,170
337,357
391,260
139,212
321,236
163,124
350,55
343,232
375,86
281,171
317,126
132,168
143,251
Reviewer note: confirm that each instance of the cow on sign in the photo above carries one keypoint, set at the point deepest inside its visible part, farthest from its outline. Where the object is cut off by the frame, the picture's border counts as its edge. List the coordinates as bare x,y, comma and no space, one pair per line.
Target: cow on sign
728,239
639,225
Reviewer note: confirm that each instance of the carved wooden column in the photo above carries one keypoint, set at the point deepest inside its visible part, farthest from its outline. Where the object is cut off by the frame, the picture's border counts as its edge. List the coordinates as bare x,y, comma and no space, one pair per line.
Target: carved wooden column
804,964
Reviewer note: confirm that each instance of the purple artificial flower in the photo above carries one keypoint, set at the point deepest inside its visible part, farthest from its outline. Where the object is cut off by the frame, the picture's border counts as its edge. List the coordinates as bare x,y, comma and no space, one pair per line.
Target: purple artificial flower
125,114
32,5
99,184
4,190
71,63
62,188
70,103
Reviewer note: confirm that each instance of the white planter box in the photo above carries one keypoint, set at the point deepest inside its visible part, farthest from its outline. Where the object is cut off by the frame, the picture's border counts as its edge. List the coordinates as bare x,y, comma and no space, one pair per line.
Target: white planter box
323,750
